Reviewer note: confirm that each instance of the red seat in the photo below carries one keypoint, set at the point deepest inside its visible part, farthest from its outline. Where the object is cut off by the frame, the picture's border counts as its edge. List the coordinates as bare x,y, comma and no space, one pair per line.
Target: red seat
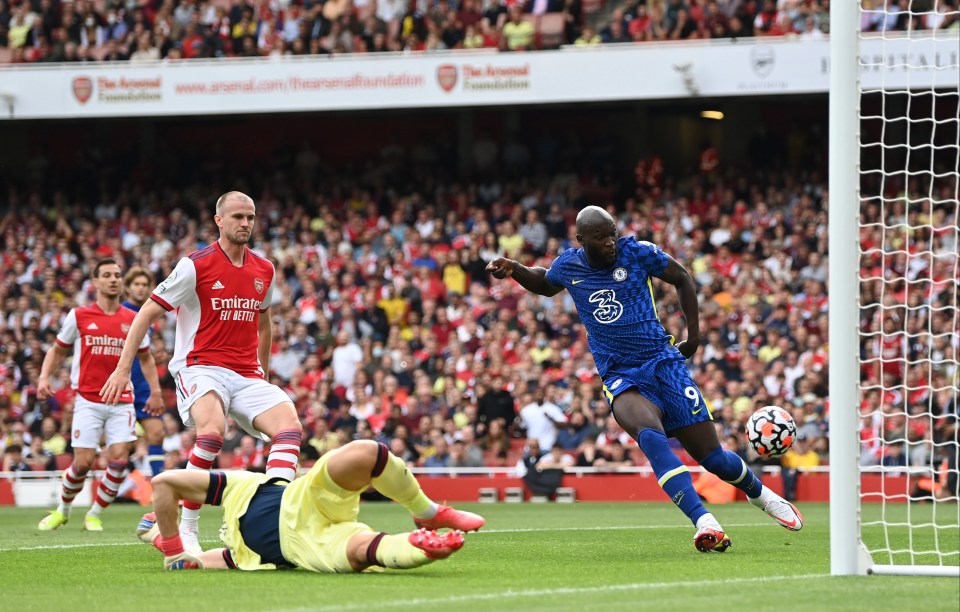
551,29
63,461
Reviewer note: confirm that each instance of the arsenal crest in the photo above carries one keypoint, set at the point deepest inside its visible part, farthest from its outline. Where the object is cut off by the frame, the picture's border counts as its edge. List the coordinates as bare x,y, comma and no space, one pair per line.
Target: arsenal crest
258,285
447,77
124,328
82,88
763,59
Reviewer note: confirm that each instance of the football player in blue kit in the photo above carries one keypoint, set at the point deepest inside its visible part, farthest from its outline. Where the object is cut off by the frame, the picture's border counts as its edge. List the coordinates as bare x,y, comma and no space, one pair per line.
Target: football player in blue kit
138,283
642,368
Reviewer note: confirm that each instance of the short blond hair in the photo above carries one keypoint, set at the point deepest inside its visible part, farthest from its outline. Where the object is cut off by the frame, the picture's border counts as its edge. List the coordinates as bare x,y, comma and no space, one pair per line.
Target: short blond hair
223,199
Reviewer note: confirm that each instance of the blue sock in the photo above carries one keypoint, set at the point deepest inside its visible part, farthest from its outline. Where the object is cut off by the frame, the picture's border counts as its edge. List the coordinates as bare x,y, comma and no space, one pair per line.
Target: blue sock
155,458
731,468
673,476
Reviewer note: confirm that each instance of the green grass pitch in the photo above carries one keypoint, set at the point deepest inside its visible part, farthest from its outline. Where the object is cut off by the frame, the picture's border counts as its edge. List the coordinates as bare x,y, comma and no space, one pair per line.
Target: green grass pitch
585,556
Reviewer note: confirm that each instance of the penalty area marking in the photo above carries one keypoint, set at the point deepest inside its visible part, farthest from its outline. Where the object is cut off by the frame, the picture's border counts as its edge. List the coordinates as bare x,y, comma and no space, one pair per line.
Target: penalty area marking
512,594
484,532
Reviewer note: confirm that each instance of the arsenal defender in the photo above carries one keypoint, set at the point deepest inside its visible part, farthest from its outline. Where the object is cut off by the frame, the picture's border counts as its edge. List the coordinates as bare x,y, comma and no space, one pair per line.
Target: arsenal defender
222,296
97,334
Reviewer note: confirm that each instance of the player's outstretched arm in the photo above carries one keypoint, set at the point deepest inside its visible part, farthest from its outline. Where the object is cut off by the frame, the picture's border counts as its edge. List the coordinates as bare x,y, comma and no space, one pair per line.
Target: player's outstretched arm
533,280
149,313
677,275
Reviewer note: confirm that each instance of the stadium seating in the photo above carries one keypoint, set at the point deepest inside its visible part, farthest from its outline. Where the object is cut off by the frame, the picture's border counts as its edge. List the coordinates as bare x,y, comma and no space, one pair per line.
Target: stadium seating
552,29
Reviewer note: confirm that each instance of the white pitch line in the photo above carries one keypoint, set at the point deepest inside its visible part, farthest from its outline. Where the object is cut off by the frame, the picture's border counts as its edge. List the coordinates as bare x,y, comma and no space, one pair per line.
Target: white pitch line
511,594
613,528
484,532
86,545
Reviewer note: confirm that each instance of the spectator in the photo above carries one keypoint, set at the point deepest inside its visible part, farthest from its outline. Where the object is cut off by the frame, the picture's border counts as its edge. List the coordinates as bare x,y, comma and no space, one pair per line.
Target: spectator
13,459
460,458
249,455
440,457
52,440
232,435
588,38
346,360
323,440
540,419
171,433
534,232
556,459
800,457
518,33
286,360
145,52
616,455
495,402
39,458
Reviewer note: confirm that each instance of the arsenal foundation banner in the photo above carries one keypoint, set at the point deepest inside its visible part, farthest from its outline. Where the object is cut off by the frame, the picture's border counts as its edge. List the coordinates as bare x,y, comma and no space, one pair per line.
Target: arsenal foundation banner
463,78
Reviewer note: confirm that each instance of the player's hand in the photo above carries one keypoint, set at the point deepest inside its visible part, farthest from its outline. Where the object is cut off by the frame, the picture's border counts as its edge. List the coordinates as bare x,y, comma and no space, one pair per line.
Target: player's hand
501,267
154,406
688,348
182,561
118,382
44,389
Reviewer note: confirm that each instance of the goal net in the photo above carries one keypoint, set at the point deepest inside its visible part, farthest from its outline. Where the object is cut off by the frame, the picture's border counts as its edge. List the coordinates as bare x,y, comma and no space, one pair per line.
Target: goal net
908,280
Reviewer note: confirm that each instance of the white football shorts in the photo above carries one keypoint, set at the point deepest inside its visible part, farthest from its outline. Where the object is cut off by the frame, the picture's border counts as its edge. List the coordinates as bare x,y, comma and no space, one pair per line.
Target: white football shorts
91,420
243,398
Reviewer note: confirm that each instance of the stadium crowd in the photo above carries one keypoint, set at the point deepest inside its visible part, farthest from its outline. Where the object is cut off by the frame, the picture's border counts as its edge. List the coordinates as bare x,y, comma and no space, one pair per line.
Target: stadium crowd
389,328
144,30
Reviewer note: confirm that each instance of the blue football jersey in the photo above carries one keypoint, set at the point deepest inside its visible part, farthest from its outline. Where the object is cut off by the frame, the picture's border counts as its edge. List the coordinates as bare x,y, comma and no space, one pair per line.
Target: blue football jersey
141,388
616,304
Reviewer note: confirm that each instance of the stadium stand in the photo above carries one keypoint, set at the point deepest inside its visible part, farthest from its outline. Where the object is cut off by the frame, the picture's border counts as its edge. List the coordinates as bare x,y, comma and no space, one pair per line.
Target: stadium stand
400,271
389,257
99,30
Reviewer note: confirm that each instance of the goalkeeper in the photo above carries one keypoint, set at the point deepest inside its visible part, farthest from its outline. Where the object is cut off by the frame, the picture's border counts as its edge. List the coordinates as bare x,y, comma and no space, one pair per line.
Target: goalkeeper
310,523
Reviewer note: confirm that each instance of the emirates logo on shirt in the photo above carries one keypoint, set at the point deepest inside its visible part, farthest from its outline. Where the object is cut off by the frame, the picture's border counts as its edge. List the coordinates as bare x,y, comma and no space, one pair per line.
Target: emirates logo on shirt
258,285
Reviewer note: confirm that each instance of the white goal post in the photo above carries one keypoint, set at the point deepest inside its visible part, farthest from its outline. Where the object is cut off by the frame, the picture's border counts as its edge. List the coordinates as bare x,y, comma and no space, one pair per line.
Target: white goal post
894,235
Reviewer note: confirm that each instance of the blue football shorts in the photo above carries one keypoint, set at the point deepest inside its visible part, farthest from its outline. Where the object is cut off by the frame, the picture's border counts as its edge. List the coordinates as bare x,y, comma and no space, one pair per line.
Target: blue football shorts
665,381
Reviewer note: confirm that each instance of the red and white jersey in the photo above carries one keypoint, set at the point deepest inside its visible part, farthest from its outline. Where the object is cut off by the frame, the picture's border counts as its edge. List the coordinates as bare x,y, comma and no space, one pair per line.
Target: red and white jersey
97,339
218,309
892,349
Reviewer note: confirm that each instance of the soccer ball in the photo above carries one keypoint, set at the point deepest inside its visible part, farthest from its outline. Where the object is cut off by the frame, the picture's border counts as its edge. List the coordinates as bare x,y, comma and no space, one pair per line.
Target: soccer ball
771,431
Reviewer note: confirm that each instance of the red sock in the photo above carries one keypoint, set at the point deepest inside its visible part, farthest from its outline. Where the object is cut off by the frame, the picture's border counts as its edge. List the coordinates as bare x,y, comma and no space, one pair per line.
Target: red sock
169,546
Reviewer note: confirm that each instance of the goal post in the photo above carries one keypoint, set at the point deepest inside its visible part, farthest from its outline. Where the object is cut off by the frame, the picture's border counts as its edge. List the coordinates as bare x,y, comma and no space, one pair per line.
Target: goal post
845,555
894,244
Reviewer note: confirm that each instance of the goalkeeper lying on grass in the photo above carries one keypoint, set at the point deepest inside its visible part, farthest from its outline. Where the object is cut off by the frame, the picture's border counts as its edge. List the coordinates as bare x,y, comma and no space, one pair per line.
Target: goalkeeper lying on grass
310,523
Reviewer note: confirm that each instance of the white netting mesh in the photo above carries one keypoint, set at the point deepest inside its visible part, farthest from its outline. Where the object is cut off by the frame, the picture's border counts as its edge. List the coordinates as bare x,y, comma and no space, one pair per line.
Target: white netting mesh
909,281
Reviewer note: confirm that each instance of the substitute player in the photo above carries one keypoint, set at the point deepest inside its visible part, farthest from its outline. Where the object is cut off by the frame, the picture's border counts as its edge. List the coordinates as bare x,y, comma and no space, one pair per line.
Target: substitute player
97,334
137,283
310,523
222,296
644,375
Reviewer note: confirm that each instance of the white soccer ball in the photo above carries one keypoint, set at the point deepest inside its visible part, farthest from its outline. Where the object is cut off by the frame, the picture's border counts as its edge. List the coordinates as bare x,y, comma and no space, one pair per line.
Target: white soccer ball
771,431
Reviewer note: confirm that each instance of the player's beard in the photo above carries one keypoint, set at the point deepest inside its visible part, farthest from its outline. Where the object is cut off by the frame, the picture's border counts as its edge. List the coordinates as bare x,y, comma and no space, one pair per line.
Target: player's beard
239,238
109,293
